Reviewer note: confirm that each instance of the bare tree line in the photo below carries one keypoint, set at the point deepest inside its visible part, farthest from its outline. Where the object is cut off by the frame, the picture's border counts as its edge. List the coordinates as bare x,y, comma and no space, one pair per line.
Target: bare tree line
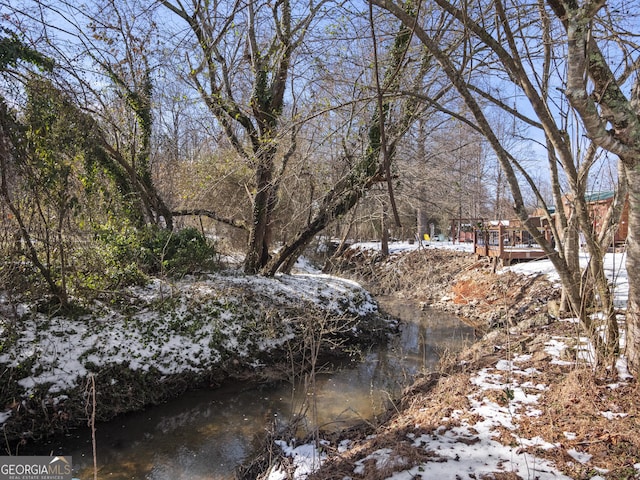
271,123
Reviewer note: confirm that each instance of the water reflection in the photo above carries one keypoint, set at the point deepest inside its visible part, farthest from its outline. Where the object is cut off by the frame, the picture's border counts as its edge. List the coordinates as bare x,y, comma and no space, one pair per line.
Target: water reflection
206,434
199,436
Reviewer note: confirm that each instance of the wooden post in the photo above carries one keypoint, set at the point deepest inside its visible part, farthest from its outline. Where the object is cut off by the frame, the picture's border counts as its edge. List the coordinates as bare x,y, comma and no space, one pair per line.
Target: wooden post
422,224
475,242
486,235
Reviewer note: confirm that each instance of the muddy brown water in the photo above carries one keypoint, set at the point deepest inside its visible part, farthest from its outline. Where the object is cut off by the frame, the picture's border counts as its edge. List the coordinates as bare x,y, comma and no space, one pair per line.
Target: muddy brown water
206,434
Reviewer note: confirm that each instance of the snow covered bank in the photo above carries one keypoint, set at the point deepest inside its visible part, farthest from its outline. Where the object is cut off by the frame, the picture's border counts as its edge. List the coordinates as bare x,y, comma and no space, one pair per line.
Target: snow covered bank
512,415
146,344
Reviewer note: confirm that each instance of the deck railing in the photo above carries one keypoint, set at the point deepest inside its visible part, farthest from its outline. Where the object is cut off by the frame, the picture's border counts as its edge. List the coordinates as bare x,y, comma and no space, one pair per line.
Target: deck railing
506,243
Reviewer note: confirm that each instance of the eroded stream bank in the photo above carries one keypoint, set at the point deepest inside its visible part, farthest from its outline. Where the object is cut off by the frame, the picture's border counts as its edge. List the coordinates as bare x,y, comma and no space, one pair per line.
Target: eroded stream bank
144,345
207,433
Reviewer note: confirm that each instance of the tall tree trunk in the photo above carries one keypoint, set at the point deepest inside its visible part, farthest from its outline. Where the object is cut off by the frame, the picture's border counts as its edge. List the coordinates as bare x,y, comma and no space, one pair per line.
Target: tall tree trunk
633,269
422,224
260,231
384,230
253,130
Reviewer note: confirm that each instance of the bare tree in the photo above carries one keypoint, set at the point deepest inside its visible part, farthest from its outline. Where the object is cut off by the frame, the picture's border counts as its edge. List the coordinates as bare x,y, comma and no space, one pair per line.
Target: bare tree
602,64
497,57
372,166
241,69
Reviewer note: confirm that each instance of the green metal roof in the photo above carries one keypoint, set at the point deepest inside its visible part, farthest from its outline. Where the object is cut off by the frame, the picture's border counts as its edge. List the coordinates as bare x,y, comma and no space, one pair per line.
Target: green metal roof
589,198
598,196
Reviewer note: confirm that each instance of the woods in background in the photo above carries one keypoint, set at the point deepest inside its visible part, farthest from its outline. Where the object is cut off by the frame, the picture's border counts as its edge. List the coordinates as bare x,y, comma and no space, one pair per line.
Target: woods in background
141,138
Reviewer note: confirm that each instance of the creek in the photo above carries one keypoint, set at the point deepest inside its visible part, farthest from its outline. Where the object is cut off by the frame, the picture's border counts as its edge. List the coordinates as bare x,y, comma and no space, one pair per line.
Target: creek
206,434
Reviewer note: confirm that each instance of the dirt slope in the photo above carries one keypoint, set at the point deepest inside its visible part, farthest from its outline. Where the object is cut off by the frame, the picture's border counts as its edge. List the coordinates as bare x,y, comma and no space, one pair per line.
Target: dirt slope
453,281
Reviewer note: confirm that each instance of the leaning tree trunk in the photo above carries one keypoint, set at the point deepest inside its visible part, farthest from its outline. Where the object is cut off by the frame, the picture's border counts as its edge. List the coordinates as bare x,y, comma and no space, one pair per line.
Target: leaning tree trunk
633,269
331,209
44,268
368,171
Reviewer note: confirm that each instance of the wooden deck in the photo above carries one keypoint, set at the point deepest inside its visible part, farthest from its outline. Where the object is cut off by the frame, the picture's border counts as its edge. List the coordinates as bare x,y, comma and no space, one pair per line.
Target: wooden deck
509,254
506,244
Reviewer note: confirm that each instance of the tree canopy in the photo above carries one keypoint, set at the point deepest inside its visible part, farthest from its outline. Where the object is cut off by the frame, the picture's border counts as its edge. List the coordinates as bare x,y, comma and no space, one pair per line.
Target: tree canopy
266,126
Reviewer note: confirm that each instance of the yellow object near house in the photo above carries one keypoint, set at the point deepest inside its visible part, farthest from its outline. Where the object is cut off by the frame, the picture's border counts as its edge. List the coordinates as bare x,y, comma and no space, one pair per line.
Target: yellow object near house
426,237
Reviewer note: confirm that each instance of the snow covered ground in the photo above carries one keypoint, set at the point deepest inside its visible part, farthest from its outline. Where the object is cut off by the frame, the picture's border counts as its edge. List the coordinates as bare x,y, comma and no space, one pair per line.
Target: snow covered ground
189,325
67,347
471,449
614,263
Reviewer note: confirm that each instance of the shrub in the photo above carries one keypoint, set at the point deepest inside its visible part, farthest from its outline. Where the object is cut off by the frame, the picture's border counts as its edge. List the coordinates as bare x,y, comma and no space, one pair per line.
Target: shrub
127,255
176,253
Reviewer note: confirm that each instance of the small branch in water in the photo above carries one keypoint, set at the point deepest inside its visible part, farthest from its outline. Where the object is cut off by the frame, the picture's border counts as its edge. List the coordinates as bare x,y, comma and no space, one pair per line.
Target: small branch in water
91,394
